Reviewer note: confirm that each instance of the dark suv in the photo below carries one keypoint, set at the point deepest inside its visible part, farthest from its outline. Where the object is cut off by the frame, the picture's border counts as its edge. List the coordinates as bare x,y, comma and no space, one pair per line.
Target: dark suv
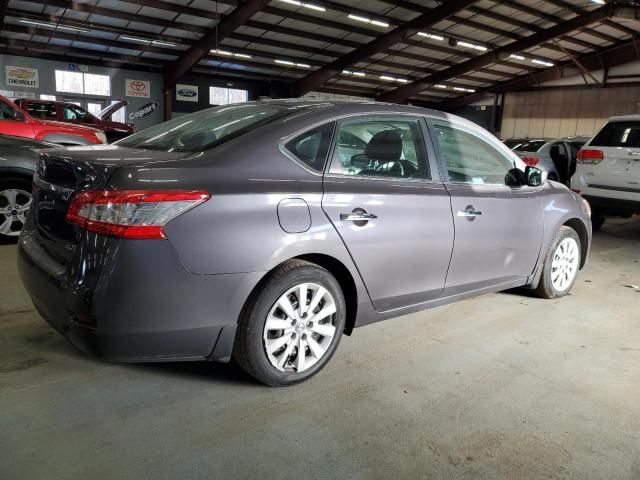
71,113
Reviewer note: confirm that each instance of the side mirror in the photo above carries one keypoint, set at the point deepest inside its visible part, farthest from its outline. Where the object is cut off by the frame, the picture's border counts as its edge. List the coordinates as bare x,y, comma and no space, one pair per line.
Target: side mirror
534,176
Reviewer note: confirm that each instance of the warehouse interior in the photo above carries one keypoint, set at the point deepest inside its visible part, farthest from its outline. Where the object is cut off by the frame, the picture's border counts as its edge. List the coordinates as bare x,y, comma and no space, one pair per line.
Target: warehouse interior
503,385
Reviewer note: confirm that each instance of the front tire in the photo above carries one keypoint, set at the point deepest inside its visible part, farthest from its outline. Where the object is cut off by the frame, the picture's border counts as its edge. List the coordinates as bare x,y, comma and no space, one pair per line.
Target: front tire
291,325
561,264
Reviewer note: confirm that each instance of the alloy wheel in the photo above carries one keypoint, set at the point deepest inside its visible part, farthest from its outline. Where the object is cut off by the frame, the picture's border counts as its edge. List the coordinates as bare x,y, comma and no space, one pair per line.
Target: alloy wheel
14,206
300,327
564,264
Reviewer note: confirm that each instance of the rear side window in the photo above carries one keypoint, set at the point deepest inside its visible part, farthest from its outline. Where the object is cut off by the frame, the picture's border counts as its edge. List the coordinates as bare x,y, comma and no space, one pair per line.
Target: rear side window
42,110
618,134
312,146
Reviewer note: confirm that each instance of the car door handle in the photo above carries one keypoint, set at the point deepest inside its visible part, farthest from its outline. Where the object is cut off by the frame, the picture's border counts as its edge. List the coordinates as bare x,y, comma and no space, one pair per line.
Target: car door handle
357,217
469,213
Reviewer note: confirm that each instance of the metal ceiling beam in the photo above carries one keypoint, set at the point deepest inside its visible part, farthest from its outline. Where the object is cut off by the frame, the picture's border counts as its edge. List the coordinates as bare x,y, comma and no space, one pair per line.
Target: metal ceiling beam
237,17
406,91
380,44
536,12
606,58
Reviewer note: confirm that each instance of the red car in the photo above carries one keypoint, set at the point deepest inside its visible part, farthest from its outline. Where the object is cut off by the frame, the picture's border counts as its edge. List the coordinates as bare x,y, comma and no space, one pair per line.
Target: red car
15,121
71,113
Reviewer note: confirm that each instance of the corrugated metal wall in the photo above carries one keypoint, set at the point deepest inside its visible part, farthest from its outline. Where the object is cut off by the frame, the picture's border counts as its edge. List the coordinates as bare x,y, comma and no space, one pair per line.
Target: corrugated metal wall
559,113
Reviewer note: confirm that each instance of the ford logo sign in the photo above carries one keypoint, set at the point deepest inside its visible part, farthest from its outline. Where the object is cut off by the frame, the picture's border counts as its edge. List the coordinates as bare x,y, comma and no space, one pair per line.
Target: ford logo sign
144,111
187,92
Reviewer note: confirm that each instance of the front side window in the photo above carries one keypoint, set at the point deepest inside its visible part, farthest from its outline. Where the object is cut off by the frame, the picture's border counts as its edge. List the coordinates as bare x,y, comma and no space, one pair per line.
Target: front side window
205,129
312,146
381,148
42,110
469,159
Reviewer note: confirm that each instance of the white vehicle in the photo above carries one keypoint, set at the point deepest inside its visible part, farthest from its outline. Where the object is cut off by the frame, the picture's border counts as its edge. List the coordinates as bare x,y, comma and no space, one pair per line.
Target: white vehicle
608,170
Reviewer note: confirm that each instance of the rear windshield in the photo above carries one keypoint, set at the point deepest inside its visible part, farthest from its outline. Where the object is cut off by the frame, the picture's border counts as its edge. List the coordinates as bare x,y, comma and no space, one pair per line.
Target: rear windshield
206,129
532,146
618,134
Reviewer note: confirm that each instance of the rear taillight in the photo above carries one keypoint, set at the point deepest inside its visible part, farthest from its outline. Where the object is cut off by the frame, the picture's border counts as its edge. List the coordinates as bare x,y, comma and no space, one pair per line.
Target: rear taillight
588,156
531,160
139,214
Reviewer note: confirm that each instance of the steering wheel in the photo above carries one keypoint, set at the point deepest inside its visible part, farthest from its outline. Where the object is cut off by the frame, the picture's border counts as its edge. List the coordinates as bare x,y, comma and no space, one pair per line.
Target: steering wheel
397,168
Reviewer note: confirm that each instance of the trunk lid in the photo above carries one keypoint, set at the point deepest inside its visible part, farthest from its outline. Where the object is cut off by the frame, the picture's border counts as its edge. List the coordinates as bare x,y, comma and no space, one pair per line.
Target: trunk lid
63,172
106,113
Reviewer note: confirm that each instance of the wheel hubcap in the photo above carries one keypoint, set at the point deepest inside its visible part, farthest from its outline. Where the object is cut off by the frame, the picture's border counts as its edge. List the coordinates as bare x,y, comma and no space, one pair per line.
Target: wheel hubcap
14,206
564,264
300,327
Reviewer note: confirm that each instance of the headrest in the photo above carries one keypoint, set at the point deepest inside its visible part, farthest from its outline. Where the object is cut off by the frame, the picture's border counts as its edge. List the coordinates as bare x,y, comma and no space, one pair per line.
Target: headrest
384,146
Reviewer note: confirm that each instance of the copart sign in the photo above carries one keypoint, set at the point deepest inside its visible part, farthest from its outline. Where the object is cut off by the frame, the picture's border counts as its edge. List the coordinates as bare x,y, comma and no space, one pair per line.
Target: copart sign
22,77
137,88
144,111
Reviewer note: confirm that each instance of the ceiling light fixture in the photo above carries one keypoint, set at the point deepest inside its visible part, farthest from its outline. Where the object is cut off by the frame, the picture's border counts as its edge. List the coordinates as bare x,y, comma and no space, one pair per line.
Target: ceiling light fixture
462,43
357,74
368,20
431,36
440,86
292,64
462,89
389,78
516,57
312,6
38,23
147,41
227,53
542,62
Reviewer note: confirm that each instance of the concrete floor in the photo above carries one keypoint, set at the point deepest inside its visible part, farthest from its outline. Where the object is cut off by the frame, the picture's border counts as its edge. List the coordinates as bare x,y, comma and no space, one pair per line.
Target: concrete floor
501,386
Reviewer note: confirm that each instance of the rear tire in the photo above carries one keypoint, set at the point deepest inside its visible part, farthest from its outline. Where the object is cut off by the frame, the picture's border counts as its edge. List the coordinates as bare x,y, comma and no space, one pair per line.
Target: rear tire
291,325
15,200
561,264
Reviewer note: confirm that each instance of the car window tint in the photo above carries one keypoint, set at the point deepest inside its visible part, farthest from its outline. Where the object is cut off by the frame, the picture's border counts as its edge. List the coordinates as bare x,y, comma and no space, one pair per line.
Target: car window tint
381,148
312,146
532,146
470,159
618,134
42,110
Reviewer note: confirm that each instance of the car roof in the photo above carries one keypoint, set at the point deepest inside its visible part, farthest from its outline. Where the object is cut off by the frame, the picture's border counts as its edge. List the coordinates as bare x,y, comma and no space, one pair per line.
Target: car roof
623,118
56,102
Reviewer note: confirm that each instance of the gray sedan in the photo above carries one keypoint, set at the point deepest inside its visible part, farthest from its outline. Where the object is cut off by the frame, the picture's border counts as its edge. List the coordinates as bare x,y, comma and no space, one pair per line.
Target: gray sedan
264,231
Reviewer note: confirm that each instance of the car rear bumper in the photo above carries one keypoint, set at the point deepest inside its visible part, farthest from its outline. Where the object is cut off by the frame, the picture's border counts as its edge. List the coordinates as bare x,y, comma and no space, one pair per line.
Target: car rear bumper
142,306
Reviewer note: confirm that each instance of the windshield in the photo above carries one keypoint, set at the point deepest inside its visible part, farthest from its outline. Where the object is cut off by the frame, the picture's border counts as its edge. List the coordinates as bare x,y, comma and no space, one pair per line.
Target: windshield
532,146
206,129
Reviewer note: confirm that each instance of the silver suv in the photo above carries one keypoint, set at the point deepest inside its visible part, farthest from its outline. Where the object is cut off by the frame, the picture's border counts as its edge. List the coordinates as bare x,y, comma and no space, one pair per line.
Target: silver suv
608,170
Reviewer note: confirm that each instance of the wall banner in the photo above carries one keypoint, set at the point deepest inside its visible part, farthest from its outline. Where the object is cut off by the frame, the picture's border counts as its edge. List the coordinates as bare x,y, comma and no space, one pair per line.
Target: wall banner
21,77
